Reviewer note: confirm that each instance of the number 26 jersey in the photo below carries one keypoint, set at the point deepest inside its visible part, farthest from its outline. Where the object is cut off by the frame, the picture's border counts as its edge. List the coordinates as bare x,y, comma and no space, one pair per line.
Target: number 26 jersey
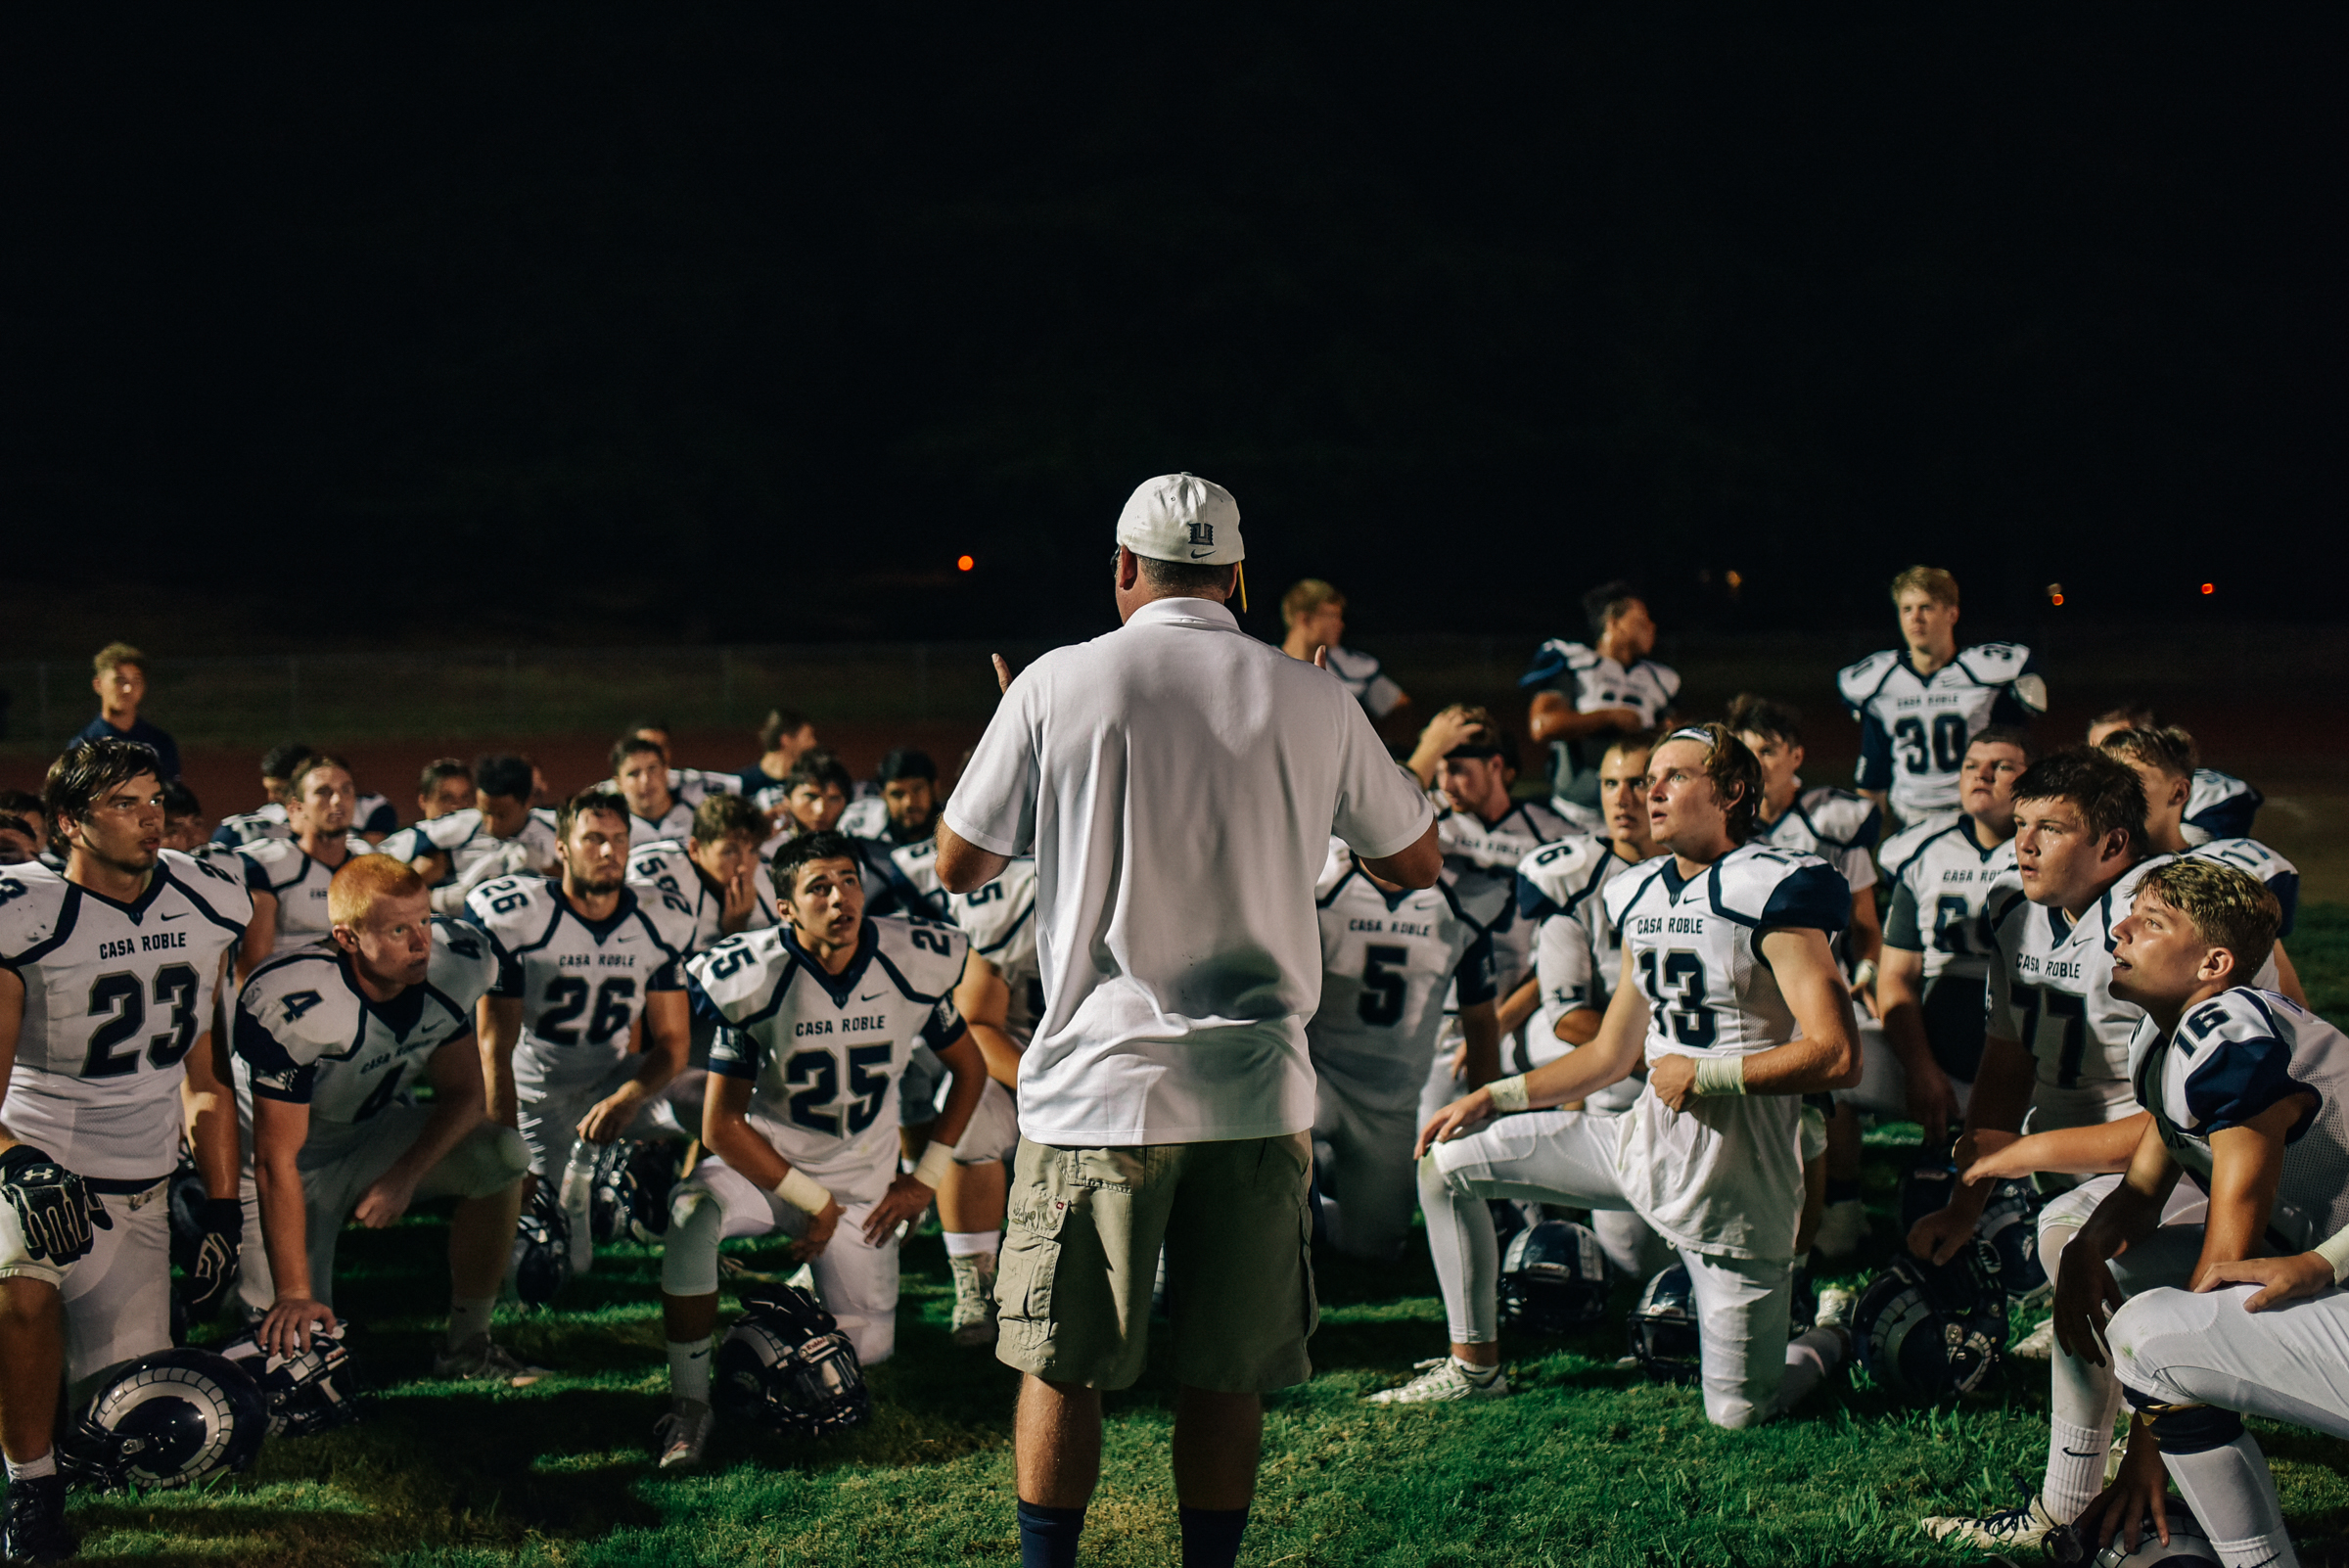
824,1052
115,997
583,982
1726,1176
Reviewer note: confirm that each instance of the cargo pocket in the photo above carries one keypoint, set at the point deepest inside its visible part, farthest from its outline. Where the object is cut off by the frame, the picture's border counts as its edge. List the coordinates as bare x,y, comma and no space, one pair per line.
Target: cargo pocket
1029,1264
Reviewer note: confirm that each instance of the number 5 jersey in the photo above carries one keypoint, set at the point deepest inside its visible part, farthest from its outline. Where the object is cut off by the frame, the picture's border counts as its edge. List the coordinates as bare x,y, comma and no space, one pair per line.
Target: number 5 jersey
115,997
824,1052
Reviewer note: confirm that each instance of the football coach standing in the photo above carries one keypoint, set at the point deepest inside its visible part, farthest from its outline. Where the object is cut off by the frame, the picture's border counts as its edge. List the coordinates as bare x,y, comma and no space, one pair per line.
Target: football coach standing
1178,782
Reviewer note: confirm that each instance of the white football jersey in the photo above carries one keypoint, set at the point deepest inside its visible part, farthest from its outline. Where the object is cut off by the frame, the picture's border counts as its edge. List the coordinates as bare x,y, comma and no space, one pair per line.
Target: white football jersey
1836,825
1943,881
2219,807
1724,1176
374,814
1913,732
676,823
2231,1058
666,865
251,827
1387,961
825,1052
2282,878
1479,856
690,785
282,869
1561,888
115,997
582,985
866,817
465,837
1361,674
1591,681
999,918
917,868
306,1035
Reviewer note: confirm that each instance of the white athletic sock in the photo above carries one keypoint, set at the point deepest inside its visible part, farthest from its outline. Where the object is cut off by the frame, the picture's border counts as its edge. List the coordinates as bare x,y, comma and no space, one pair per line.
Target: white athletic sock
468,1318
2234,1496
2075,1467
689,1369
32,1469
1810,1356
971,1243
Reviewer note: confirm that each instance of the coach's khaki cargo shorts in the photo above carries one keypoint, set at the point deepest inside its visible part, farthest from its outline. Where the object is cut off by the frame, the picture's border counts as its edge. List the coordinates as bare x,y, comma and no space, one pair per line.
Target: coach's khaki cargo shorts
1081,1257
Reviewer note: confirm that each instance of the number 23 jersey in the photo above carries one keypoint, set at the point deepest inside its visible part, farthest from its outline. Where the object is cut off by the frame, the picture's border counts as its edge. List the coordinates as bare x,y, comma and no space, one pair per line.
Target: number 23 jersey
582,983
824,1052
115,997
1726,1176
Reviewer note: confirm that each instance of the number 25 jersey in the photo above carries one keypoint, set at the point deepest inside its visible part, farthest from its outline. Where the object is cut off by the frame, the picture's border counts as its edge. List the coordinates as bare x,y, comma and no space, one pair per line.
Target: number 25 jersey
115,997
824,1052
1726,1176
583,982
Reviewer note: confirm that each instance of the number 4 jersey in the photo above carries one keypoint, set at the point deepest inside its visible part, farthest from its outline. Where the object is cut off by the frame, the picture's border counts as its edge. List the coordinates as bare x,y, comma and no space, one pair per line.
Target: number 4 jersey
115,997
582,983
1726,1176
824,1052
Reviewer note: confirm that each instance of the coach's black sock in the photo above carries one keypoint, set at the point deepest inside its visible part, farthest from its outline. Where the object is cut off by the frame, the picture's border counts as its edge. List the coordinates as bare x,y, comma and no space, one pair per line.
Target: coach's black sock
1048,1536
1843,1189
1211,1537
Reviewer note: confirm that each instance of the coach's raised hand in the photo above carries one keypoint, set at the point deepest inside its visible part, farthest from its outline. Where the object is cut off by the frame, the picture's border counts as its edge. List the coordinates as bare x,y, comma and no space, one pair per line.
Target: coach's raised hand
1002,673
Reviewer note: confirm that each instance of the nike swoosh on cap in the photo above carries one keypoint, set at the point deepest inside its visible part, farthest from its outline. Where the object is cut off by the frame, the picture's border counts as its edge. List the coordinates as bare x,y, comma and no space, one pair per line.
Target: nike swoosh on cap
1198,554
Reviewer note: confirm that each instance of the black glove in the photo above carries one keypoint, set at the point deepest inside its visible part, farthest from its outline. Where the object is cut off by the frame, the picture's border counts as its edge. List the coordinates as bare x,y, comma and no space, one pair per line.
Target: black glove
214,1272
54,1210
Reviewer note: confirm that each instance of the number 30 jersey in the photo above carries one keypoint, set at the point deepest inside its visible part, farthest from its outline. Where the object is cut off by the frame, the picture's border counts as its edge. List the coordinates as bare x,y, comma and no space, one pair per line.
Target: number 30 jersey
306,1035
583,982
1914,730
1726,1176
824,1052
115,997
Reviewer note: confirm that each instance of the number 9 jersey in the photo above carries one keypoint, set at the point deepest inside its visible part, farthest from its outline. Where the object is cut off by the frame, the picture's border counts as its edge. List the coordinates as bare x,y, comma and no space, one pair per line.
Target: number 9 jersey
1726,1176
115,997
824,1052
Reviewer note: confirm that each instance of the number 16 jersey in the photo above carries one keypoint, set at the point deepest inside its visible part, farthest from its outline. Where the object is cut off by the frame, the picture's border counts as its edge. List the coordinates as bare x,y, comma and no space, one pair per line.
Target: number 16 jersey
1726,1176
824,1052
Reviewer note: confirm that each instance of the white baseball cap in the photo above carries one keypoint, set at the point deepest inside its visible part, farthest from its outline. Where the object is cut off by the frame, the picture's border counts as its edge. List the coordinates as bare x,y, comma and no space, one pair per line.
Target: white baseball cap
1181,517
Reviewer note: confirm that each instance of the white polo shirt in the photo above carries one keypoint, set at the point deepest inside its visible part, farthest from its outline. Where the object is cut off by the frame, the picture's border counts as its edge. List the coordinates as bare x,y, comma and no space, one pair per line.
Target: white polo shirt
1178,783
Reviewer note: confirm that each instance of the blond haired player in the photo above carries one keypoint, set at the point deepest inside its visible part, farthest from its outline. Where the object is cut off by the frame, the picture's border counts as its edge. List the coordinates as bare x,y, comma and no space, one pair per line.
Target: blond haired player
1314,615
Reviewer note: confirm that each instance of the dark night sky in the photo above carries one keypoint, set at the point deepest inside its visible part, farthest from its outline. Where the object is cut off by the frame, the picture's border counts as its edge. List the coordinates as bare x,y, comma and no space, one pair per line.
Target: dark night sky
731,323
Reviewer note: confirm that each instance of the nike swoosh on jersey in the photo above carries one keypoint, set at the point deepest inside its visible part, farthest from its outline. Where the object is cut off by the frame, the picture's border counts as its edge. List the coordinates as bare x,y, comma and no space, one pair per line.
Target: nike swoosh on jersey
178,915
875,996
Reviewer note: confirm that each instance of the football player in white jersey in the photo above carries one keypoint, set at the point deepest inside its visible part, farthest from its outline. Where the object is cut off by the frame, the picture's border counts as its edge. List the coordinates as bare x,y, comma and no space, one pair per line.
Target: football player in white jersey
445,789
108,975
583,964
287,877
715,870
692,785
267,820
640,775
331,1040
1918,706
906,812
821,1015
498,835
2218,806
1930,990
1561,887
20,843
1841,829
1312,615
1388,957
1585,694
783,737
1731,988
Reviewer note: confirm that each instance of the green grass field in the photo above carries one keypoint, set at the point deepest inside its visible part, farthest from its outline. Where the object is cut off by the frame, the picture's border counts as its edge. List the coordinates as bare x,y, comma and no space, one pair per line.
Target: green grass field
1585,1466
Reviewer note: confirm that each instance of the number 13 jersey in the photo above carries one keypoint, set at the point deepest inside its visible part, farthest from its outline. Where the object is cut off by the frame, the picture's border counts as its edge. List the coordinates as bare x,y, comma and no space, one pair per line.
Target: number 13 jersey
824,1052
115,997
1726,1176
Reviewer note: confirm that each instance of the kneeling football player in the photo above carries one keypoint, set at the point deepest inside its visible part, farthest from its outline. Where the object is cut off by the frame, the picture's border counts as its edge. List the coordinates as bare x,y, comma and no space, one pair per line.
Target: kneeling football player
332,1037
819,1018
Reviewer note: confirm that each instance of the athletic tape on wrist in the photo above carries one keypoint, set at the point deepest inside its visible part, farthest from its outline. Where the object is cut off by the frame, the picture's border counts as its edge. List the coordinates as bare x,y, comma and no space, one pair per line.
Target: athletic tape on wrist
1720,1074
1509,1093
931,1170
802,1191
2335,1251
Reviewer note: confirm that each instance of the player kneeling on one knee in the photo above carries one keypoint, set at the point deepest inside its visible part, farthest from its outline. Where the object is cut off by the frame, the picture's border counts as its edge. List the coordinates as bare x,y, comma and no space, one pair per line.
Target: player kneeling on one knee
819,1018
332,1037
1731,992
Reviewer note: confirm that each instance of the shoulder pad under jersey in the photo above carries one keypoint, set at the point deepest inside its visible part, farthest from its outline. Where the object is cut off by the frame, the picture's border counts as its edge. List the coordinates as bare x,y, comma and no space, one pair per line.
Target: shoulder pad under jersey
1754,882
212,882
1667,679
996,917
517,912
1857,683
270,862
866,819
739,974
32,897
648,862
1623,889
926,955
672,918
1840,817
301,1001
1557,877
462,966
1995,663
1896,853
1556,658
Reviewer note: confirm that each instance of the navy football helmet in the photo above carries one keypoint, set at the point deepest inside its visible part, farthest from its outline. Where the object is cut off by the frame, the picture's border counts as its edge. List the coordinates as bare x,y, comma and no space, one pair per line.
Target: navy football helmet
168,1420
1929,1333
785,1363
1662,1327
2189,1545
1553,1279
629,1200
311,1390
541,1249
2011,1224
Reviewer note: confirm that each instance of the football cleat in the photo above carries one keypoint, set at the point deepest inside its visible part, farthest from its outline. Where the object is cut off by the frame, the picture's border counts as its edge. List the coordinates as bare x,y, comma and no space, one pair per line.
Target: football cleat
1842,1229
36,1521
1837,1304
483,1359
1442,1378
680,1436
2022,1529
2037,1345
974,1298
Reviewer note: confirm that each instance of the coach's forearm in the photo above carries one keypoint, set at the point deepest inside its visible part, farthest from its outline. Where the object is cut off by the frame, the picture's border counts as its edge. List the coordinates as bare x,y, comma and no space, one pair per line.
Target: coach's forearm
963,866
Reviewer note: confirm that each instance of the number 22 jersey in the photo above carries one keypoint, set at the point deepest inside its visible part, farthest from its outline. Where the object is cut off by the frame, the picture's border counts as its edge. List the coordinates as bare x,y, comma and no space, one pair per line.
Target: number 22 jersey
115,997
824,1052
1726,1176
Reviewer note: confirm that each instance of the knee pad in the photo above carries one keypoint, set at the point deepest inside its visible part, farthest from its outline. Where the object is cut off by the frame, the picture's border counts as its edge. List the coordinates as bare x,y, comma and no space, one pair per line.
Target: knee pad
689,1252
874,1336
2186,1428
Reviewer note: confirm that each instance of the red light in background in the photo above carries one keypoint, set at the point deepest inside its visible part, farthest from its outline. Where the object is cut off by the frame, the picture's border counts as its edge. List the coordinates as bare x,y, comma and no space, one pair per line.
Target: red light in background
2210,587
2056,598
963,562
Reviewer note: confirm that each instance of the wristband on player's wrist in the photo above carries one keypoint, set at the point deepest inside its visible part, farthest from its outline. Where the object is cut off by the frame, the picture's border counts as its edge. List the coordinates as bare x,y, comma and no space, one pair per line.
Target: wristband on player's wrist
2335,1250
804,1192
936,1161
1510,1095
1720,1074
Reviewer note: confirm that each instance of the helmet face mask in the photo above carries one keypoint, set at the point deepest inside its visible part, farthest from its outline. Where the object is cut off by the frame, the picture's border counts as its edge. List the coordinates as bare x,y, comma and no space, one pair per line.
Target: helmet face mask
168,1420
1663,1329
1931,1333
541,1249
310,1391
629,1200
1553,1279
785,1364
